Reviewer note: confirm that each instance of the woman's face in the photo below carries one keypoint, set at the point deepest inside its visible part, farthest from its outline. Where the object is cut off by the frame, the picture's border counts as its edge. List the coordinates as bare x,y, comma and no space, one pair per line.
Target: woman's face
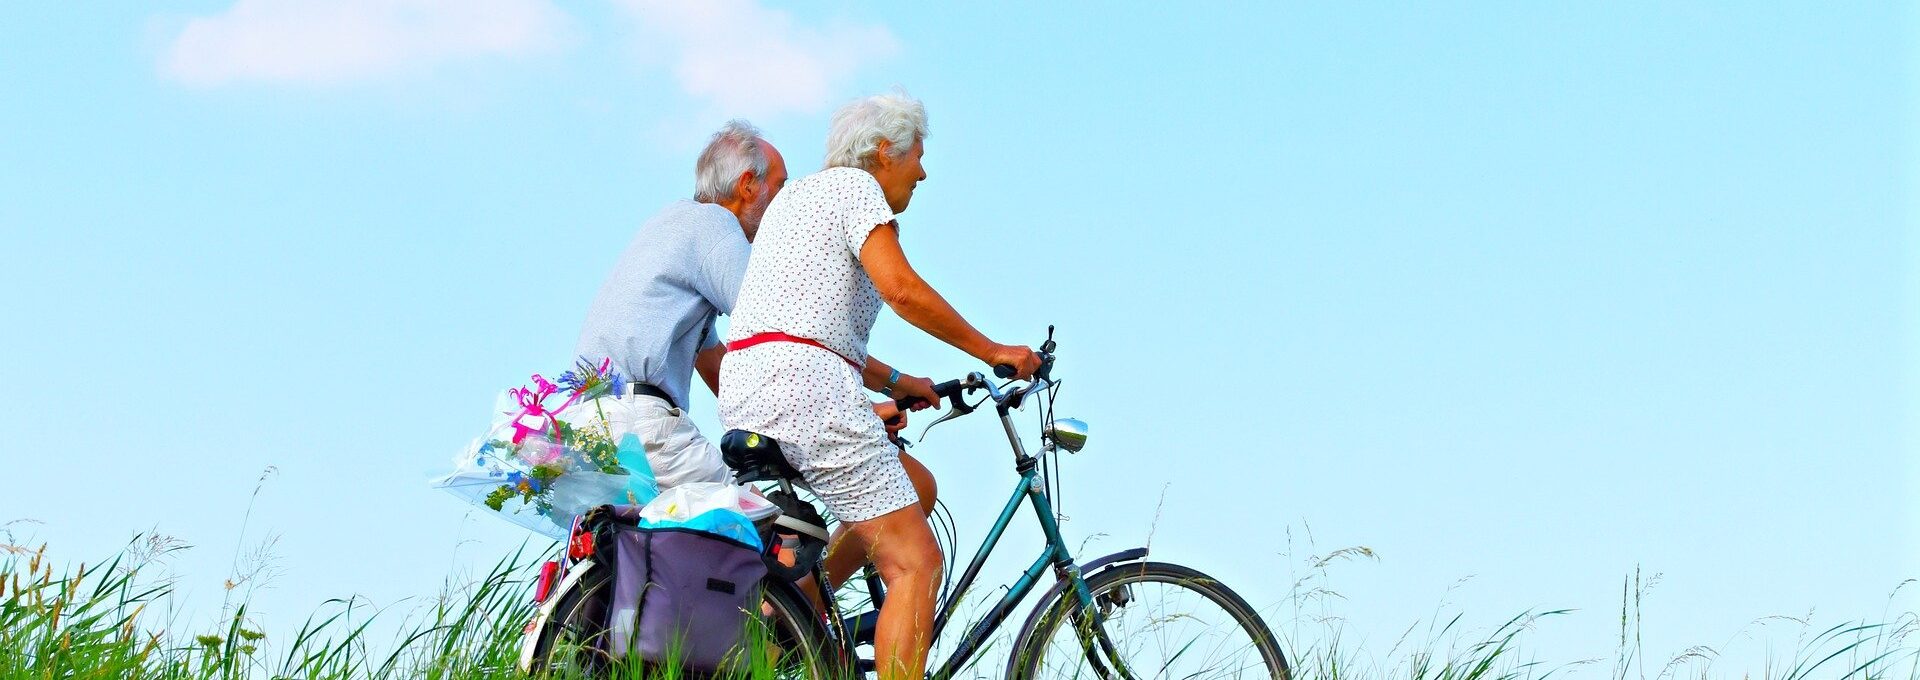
898,175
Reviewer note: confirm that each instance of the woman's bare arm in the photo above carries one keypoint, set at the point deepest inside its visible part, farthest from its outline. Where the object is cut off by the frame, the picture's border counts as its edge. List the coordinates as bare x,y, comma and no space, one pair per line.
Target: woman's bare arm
919,304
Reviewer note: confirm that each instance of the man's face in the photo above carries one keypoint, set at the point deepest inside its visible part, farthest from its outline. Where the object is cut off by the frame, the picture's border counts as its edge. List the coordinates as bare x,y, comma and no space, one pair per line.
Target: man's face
898,175
763,191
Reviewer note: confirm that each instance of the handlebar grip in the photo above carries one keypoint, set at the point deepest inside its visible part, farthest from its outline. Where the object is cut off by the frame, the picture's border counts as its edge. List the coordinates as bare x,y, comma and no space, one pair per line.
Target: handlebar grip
1046,366
947,390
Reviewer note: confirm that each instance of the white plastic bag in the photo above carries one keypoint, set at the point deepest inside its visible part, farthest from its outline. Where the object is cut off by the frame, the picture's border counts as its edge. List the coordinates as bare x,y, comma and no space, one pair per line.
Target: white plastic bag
710,507
684,502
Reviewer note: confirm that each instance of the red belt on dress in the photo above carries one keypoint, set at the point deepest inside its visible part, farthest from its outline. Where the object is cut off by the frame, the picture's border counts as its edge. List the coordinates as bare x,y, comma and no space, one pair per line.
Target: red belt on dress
776,336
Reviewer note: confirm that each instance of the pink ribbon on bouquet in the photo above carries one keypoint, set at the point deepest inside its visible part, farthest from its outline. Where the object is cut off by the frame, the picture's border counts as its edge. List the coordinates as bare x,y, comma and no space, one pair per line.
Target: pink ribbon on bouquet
533,405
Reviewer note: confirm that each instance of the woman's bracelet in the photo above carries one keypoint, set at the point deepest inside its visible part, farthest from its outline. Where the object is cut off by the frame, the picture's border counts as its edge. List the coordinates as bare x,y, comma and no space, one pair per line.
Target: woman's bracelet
893,380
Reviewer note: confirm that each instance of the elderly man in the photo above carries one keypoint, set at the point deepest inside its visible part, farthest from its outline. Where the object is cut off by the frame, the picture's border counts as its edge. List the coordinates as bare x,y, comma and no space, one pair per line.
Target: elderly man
655,314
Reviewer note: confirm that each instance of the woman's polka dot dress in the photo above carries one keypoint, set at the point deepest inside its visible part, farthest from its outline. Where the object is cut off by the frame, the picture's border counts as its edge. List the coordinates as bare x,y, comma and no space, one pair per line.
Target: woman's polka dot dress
805,279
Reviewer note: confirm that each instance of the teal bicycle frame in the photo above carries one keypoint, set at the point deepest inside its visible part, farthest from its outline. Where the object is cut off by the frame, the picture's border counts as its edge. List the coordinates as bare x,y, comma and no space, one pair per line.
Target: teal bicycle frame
1032,489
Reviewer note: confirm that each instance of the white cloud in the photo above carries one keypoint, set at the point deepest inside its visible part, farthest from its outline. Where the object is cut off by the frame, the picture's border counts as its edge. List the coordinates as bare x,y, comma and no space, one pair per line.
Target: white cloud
749,60
339,41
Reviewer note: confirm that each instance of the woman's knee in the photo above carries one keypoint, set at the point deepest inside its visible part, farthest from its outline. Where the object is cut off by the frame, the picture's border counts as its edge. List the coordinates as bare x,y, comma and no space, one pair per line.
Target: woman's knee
902,545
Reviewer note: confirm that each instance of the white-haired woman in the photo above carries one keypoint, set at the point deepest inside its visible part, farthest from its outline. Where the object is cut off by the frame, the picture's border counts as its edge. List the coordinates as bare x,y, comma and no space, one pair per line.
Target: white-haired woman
827,255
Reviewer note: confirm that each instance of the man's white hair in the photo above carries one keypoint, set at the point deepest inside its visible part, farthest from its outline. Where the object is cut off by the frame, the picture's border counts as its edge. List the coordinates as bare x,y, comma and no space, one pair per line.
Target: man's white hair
735,149
859,126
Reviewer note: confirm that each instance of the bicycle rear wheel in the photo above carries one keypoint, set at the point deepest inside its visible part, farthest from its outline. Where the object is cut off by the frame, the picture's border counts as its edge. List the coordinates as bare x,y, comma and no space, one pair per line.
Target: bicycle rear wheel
1156,620
572,645
785,641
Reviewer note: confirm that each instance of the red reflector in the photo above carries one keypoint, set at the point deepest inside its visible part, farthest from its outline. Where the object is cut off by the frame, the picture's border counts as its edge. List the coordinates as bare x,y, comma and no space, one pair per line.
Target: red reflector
581,547
544,587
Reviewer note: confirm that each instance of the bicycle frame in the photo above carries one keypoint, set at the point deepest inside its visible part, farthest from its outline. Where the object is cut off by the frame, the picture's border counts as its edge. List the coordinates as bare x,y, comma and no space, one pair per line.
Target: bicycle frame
1055,554
1032,489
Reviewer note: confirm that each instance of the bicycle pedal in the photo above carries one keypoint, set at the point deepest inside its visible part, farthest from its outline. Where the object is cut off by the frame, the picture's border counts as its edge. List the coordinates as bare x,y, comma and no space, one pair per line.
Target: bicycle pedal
861,627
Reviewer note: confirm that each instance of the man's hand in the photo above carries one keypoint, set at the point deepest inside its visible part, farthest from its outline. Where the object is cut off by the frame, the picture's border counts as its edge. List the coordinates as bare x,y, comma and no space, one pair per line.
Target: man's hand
1021,357
917,388
891,415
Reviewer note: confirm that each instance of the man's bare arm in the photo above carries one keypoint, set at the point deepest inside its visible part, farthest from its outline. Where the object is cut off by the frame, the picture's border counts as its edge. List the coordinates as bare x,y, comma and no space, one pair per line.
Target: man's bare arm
707,363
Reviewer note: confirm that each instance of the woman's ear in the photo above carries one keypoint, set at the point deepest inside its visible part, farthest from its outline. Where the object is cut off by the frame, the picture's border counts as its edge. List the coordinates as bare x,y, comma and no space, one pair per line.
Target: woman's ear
882,156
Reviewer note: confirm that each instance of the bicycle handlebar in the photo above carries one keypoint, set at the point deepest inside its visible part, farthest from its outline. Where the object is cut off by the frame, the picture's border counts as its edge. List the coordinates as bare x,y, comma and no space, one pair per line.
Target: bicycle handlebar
951,389
1004,371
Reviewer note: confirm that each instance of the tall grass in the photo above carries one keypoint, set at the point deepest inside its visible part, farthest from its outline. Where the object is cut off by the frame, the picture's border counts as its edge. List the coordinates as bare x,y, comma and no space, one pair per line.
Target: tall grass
105,621
1446,647
100,622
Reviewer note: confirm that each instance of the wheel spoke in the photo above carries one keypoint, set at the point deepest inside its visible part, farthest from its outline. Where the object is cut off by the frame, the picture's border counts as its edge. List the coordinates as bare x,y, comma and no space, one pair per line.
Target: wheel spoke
1154,623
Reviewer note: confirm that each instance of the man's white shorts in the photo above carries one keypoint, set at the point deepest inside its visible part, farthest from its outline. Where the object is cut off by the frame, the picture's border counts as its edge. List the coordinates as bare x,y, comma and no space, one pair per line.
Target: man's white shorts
676,451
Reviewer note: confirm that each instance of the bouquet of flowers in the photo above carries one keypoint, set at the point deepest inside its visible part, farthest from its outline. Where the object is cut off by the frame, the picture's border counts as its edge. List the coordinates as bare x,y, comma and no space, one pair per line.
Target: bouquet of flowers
540,471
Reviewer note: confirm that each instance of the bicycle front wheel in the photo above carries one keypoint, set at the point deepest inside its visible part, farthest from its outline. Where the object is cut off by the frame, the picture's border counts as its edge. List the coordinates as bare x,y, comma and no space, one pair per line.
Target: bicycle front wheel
1150,620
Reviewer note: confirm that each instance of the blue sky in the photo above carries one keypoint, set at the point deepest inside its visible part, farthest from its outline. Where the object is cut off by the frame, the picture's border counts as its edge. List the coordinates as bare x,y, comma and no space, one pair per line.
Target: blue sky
1531,294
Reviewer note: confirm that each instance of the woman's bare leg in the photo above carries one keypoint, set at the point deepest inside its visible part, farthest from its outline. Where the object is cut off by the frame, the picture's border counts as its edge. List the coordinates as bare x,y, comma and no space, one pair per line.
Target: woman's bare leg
845,552
904,550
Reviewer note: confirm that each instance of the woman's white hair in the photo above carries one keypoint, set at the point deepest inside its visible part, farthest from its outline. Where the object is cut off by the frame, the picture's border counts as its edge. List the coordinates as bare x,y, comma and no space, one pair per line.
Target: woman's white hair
859,126
735,149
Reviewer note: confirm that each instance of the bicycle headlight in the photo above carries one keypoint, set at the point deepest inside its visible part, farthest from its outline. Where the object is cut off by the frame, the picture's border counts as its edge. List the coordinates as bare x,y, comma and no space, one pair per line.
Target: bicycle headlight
1068,433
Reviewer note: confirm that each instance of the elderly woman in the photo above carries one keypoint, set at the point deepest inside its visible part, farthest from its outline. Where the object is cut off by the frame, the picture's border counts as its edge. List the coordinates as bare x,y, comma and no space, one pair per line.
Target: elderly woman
827,255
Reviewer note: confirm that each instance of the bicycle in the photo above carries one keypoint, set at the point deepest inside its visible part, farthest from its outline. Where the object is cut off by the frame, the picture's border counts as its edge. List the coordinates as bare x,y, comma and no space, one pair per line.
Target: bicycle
1109,618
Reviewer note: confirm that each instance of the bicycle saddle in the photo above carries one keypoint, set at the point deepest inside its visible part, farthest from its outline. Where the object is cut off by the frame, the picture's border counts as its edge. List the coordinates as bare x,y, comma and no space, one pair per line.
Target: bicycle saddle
755,458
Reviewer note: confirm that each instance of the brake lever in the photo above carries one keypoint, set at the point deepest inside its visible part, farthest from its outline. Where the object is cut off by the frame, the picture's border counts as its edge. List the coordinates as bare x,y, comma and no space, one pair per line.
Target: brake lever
960,408
1017,399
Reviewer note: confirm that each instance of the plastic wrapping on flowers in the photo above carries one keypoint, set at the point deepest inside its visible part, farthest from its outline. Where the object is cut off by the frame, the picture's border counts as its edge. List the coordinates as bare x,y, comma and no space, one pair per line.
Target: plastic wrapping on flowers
539,471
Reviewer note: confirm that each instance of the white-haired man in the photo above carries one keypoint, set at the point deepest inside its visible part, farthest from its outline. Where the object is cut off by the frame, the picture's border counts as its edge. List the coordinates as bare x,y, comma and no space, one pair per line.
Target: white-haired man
654,315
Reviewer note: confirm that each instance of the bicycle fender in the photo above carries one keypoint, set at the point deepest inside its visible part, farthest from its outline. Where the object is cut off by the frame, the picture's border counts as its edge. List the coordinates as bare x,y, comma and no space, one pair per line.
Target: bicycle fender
530,636
1060,586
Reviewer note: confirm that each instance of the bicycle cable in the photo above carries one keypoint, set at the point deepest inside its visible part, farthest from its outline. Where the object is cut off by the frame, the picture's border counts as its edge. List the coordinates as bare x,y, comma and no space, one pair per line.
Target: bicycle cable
1054,484
944,532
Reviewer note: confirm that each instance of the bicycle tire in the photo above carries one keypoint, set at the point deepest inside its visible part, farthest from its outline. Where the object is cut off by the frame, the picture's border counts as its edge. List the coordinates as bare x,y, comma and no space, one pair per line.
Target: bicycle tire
575,630
578,625
1037,644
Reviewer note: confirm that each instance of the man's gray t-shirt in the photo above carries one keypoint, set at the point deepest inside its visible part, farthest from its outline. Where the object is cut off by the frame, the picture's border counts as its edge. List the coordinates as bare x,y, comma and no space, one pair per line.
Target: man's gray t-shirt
656,311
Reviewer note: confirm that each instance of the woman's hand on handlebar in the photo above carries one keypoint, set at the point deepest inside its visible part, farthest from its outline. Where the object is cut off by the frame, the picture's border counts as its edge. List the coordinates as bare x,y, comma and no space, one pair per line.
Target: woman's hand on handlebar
892,416
1020,358
915,393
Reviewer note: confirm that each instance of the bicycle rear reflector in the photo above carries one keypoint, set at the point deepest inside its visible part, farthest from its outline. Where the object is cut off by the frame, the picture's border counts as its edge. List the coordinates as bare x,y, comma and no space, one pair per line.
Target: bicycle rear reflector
544,587
580,547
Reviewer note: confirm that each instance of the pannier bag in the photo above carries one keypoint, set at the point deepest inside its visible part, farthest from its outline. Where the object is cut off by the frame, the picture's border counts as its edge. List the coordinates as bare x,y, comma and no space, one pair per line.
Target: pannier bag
682,589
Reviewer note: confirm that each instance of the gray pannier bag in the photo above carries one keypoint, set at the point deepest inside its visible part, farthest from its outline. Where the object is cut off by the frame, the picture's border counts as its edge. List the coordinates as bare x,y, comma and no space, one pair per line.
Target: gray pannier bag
681,593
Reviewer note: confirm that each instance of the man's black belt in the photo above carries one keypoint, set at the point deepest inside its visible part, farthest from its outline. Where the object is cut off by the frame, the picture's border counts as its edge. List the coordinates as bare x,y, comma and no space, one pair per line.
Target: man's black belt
645,390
